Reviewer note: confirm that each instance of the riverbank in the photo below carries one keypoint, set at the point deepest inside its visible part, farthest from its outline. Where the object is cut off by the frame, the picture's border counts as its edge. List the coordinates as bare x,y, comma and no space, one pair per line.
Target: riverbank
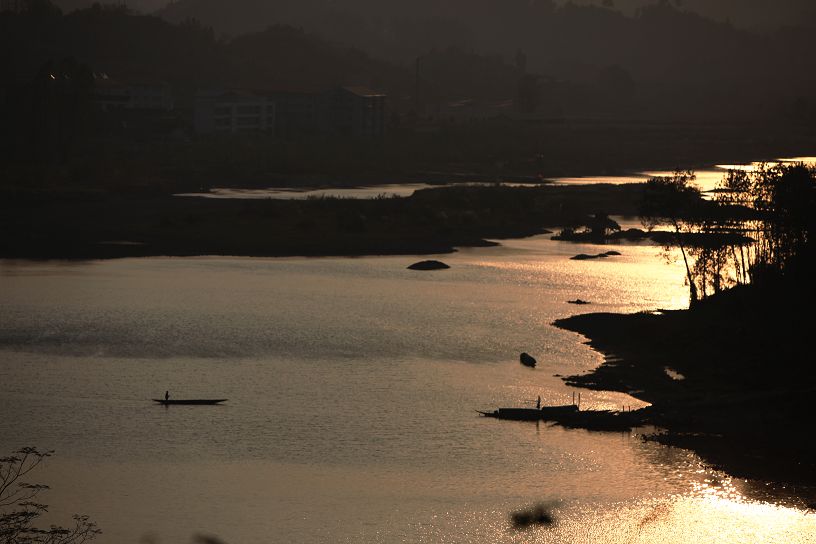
431,221
729,379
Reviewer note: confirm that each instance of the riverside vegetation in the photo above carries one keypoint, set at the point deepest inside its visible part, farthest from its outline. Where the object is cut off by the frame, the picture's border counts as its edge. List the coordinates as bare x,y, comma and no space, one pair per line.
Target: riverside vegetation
19,509
430,221
743,397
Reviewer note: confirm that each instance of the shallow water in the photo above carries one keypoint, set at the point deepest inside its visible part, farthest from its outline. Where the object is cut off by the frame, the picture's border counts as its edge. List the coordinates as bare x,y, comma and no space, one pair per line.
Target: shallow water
353,385
708,179
366,191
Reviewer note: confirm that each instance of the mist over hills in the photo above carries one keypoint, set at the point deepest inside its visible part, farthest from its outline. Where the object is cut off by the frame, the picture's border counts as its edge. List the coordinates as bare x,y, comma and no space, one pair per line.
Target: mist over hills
345,19
751,14
141,6
661,62
666,58
656,43
243,16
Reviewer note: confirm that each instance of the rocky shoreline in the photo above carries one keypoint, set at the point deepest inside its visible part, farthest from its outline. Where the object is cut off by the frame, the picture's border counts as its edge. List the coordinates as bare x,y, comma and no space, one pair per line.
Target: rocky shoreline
719,399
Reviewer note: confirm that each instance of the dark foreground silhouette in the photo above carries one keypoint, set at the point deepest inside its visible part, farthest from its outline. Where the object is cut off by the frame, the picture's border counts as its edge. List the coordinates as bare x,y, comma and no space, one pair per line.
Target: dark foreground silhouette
20,509
744,399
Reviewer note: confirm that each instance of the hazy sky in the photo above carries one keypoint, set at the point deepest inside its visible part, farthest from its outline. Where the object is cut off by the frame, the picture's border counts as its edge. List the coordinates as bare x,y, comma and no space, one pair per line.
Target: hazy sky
747,13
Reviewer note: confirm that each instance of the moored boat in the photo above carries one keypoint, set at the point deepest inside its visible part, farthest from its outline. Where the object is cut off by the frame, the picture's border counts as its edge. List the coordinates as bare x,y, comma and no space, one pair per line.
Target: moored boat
527,360
532,414
167,402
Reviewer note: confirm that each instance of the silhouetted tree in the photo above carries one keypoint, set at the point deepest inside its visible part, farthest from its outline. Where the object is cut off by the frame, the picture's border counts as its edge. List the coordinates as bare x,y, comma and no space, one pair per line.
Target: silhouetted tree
19,509
783,199
711,258
674,201
758,228
601,226
734,191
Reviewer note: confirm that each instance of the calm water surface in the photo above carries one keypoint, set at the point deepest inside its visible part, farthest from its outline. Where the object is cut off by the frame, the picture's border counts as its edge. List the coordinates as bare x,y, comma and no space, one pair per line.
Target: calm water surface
367,191
353,385
707,180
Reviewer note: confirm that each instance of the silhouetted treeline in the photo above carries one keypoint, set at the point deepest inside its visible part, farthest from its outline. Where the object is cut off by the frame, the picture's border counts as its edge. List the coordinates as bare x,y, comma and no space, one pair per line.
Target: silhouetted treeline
752,14
758,229
782,202
745,401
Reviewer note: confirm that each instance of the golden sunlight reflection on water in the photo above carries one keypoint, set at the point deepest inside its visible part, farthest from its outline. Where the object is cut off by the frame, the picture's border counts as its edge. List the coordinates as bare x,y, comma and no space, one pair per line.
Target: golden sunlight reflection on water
687,520
754,166
353,385
261,502
707,179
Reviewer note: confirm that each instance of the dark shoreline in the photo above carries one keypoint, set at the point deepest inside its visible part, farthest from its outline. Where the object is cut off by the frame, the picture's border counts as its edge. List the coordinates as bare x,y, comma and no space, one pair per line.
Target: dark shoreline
737,413
431,221
115,191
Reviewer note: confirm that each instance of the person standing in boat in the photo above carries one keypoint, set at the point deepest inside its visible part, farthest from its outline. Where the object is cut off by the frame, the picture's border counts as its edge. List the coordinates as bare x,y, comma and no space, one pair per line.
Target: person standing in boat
538,403
166,396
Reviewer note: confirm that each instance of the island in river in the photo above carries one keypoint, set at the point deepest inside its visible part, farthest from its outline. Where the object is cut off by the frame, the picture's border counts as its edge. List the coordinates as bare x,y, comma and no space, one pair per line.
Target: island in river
108,225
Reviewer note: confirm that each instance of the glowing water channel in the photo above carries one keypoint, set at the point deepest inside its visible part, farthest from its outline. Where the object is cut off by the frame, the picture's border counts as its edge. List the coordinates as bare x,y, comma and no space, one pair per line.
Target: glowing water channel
708,179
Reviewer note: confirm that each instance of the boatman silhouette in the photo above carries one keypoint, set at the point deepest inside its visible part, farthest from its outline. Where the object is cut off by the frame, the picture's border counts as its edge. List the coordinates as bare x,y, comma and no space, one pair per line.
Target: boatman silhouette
167,395
538,403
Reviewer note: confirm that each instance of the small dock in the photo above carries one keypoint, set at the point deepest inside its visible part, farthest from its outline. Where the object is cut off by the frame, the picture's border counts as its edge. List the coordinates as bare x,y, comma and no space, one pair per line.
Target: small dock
571,416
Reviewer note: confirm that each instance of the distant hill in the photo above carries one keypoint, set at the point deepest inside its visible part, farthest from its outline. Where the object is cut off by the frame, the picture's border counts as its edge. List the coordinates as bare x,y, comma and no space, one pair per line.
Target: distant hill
658,63
749,14
238,16
661,59
189,56
140,6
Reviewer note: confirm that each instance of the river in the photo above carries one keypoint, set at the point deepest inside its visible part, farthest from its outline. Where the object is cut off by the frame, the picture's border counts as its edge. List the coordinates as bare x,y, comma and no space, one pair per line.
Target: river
707,179
352,387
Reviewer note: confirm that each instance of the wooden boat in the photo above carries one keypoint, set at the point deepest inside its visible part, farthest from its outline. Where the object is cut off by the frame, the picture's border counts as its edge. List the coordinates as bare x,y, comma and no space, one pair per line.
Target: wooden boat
190,401
532,414
527,360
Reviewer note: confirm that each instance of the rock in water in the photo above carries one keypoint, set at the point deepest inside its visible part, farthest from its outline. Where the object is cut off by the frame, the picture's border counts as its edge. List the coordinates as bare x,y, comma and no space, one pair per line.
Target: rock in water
540,515
527,360
428,265
585,257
